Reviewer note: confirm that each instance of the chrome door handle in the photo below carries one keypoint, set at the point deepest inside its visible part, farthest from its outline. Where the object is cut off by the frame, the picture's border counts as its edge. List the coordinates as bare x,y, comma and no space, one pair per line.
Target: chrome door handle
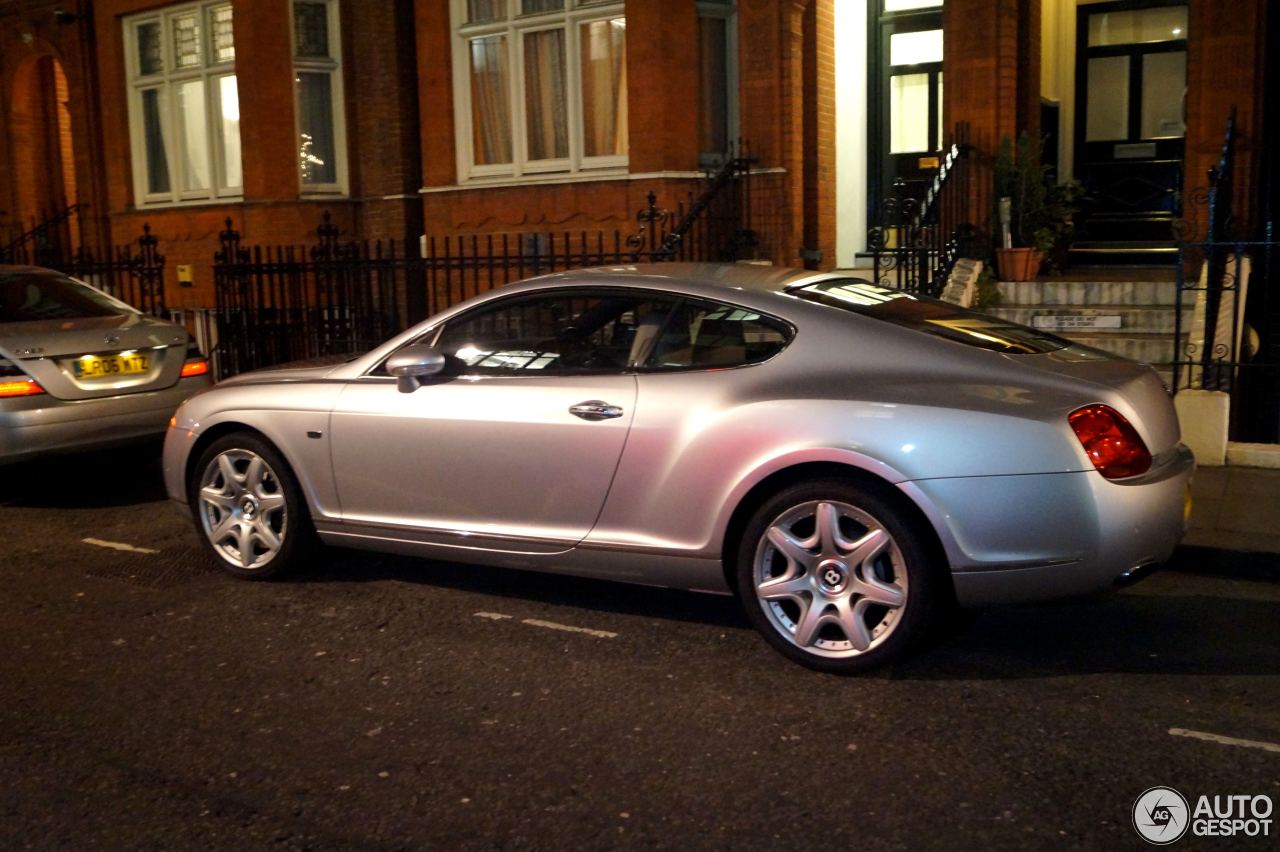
595,409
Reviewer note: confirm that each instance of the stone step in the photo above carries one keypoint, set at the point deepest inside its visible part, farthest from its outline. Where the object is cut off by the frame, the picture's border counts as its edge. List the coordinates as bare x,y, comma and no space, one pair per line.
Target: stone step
1088,293
1142,319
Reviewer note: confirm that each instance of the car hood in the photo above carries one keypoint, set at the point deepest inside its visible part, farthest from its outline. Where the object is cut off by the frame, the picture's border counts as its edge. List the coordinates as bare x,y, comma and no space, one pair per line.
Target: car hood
313,369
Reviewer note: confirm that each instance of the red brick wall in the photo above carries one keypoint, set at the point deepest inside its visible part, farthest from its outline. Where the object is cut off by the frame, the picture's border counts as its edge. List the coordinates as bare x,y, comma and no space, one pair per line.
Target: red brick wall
39,59
991,60
818,101
1225,55
661,59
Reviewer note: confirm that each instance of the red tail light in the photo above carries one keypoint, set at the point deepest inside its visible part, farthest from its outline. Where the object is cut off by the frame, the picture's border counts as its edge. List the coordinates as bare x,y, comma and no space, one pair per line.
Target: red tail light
195,368
1113,445
19,387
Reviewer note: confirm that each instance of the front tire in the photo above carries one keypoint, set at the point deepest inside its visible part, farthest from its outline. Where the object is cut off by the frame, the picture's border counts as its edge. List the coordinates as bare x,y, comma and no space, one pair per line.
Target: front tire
837,576
248,508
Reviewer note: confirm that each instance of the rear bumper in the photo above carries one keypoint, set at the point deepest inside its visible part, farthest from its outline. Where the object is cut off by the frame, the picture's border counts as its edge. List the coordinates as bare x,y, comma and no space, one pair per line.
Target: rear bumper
38,425
1018,539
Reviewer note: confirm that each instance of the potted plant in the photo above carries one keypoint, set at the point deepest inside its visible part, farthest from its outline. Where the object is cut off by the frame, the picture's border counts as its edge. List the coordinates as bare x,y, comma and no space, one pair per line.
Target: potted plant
1037,209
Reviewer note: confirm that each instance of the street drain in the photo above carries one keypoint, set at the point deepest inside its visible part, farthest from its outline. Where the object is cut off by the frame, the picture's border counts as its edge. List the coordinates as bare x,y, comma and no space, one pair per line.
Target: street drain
156,571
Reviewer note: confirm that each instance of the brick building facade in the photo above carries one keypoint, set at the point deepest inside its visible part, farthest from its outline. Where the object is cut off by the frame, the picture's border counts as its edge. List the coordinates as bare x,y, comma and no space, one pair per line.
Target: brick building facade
391,86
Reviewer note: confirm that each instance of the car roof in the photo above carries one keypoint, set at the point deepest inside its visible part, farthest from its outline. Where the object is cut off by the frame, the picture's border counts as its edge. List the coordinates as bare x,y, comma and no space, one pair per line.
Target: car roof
735,276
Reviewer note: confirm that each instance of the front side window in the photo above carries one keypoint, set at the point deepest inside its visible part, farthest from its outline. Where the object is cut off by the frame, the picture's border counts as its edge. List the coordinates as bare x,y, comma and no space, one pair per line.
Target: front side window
540,86
317,82
556,333
184,107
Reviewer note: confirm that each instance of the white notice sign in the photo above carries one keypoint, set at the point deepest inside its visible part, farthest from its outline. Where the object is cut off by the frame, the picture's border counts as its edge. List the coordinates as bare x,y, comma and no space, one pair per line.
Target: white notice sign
1069,322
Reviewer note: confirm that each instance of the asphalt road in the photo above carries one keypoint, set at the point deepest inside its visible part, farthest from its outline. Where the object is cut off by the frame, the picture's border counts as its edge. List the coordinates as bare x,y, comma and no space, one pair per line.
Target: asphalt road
148,702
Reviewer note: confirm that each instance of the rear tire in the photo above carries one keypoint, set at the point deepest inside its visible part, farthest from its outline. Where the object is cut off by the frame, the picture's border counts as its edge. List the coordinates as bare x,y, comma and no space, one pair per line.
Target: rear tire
838,577
248,508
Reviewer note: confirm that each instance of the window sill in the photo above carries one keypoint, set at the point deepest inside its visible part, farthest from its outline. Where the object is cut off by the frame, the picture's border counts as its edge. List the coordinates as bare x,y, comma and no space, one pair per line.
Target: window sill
553,180
190,202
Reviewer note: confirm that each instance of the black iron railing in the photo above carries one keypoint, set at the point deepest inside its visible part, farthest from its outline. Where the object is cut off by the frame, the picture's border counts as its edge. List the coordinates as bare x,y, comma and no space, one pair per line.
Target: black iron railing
919,239
51,240
1220,346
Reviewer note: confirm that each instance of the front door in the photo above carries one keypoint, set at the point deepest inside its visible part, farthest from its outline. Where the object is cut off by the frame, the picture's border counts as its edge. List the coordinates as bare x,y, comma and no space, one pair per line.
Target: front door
1131,69
908,90
500,451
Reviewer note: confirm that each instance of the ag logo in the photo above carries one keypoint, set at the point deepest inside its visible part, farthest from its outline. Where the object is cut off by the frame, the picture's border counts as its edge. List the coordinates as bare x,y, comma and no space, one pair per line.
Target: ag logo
1161,815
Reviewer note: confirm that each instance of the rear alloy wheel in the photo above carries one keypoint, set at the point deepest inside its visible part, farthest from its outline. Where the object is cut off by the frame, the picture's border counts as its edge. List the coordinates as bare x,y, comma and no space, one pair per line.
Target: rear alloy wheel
835,576
248,507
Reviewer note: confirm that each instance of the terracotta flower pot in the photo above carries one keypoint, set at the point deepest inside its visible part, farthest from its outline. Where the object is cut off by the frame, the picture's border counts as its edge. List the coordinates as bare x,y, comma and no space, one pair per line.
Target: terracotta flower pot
1019,264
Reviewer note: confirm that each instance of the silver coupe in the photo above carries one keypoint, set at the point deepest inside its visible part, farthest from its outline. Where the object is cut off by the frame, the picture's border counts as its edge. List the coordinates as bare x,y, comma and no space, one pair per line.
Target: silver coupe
851,461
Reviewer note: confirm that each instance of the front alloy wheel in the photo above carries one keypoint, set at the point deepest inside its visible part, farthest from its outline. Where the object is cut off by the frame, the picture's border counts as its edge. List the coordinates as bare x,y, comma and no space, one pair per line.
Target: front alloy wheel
839,576
248,507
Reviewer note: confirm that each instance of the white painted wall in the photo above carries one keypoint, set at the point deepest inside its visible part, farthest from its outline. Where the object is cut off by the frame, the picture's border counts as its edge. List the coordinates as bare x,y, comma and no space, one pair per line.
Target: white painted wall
851,130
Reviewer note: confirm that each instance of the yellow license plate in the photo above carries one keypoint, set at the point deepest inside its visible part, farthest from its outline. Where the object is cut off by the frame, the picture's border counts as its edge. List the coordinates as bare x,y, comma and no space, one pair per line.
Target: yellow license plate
105,366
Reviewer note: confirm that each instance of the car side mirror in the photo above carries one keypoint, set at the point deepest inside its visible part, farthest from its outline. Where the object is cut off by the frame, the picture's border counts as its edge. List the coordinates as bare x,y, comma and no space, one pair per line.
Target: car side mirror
414,363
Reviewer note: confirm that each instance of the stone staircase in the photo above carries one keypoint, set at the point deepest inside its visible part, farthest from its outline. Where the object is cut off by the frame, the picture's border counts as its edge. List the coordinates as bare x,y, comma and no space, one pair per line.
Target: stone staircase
1134,319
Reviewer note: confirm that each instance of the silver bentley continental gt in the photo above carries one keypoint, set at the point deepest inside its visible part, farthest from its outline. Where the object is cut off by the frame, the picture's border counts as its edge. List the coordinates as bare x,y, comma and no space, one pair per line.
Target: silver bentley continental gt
850,461
81,370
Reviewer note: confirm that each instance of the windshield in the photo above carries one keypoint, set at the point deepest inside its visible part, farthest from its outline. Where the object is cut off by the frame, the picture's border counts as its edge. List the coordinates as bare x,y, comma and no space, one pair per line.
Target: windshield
931,316
30,296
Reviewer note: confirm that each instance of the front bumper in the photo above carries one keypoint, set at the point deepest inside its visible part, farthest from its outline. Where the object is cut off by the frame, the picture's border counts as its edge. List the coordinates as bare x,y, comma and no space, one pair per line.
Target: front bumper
1018,539
33,426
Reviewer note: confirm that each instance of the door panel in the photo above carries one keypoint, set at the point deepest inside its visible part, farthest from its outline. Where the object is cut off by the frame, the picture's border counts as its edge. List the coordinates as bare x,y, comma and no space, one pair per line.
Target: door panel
494,457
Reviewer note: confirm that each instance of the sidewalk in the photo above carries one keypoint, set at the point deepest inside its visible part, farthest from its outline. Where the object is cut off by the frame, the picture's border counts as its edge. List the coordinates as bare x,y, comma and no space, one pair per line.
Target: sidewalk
1235,524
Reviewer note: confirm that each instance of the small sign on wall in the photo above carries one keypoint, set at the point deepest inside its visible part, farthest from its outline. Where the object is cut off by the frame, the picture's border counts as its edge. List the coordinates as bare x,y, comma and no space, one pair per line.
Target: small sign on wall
1072,322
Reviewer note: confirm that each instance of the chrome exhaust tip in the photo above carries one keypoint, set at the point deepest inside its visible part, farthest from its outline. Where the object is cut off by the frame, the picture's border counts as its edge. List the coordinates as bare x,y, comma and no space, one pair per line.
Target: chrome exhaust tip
1133,575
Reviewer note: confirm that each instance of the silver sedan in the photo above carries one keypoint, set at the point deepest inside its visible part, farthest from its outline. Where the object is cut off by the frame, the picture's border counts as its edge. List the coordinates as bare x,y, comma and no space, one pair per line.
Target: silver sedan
850,461
81,370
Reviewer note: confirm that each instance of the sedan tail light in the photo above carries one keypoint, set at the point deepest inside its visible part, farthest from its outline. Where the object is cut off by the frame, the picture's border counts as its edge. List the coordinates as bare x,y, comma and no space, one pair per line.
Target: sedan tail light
14,382
1112,444
197,367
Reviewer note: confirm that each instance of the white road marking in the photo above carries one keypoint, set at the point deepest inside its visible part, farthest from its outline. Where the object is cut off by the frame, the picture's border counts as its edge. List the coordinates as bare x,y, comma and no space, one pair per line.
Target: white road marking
115,545
550,625
569,628
1221,740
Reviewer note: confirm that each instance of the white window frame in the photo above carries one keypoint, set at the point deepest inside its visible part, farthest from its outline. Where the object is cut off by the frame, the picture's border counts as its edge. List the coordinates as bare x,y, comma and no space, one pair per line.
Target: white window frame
727,12
167,82
570,19
332,65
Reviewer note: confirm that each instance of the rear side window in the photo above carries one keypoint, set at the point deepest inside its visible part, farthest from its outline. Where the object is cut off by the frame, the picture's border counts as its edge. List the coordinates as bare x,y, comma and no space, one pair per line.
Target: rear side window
930,316
708,335
34,296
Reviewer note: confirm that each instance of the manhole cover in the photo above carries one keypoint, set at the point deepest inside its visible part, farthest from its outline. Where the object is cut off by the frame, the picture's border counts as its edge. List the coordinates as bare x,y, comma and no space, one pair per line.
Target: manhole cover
154,570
